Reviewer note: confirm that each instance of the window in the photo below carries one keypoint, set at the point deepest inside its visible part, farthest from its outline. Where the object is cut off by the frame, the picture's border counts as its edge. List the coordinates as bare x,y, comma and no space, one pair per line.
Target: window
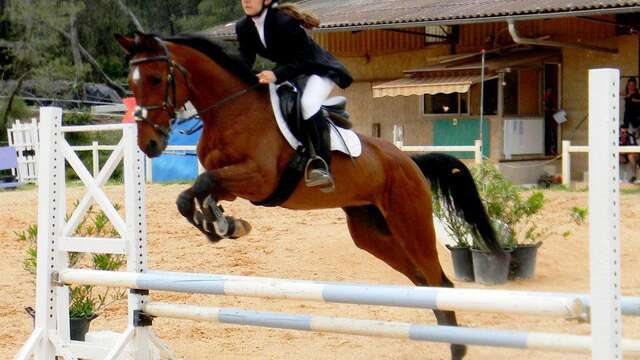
450,104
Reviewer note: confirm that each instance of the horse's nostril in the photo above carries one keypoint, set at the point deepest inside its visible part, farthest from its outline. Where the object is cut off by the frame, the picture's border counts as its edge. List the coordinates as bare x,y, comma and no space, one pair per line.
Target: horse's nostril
152,147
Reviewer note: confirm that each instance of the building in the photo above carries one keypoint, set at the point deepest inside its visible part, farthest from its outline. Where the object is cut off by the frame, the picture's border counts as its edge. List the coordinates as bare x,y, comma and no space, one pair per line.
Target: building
418,63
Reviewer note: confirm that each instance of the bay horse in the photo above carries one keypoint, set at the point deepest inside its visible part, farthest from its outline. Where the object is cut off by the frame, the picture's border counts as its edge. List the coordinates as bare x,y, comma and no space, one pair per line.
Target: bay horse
384,193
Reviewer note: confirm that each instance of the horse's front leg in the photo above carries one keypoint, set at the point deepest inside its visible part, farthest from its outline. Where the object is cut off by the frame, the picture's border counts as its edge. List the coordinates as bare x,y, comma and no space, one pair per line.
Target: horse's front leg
209,218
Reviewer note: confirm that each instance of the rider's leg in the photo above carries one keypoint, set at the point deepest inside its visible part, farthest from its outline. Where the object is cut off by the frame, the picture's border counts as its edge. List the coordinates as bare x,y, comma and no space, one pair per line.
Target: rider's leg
316,91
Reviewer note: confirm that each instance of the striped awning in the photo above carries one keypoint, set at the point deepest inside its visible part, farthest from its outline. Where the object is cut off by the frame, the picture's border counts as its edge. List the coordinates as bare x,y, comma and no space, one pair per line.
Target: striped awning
425,85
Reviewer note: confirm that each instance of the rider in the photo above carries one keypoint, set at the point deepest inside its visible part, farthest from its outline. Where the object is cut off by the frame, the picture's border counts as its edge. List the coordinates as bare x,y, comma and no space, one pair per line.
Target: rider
276,33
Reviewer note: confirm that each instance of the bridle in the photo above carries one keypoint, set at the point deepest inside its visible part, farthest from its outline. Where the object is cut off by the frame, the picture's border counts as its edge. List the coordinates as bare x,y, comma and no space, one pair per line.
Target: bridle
168,104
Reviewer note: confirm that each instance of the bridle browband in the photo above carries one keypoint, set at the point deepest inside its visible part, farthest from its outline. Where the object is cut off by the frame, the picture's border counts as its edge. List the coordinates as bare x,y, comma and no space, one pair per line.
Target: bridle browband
169,104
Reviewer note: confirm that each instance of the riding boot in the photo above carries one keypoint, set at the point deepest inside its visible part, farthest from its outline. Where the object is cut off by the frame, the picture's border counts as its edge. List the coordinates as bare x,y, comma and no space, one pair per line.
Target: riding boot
317,138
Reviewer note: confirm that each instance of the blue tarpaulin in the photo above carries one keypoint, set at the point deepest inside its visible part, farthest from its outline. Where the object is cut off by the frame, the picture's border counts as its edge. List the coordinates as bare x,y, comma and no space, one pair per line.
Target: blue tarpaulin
172,167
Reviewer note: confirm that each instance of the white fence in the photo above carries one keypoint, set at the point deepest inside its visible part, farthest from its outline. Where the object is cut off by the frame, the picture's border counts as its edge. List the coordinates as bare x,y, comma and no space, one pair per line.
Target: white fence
568,149
24,138
398,140
51,334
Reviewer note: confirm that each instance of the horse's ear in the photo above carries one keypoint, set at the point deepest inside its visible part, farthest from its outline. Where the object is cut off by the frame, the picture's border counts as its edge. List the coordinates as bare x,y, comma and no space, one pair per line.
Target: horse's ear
146,42
128,44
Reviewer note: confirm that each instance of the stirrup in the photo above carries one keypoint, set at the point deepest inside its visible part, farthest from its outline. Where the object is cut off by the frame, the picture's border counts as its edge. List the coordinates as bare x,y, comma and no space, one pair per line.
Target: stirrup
320,176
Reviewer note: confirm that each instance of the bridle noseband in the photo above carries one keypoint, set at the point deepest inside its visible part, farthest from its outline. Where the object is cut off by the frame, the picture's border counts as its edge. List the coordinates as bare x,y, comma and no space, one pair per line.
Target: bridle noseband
169,103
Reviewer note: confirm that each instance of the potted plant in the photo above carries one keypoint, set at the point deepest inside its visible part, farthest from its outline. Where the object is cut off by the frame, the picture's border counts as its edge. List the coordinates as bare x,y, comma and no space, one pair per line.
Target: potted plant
513,219
85,301
460,232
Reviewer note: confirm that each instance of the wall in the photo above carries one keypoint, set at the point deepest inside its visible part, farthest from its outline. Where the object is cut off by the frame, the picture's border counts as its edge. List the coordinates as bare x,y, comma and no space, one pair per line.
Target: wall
575,79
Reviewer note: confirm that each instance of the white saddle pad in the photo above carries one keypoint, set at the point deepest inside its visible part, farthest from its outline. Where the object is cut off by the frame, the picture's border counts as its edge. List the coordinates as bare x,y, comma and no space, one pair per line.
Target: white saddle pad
353,145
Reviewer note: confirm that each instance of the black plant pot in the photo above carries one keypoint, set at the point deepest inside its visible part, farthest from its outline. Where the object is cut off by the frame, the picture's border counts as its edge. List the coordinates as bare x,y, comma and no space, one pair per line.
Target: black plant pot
462,263
523,262
78,328
490,269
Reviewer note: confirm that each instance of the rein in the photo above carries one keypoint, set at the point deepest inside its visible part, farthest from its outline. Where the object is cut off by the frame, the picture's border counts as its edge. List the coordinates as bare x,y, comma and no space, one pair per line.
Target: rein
169,105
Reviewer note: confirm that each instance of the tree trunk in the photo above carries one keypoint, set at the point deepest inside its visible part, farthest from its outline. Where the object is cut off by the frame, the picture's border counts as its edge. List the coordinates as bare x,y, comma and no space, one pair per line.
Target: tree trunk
77,58
93,62
12,96
131,15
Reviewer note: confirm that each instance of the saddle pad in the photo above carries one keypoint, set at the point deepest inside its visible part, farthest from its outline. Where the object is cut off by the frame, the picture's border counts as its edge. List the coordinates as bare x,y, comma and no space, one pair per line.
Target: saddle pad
353,145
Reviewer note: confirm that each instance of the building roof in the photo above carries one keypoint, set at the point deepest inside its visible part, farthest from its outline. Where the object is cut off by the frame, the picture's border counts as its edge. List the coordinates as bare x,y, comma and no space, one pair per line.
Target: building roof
338,15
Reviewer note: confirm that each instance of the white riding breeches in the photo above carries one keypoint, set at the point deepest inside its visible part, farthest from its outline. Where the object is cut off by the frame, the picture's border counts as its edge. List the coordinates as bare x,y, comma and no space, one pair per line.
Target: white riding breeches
314,94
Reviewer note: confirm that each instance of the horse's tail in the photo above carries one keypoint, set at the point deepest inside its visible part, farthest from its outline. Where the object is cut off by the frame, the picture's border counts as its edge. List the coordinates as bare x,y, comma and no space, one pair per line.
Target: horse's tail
451,180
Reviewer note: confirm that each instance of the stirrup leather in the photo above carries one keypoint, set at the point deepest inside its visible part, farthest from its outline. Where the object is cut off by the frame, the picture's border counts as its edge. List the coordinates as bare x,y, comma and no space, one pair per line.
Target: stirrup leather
319,176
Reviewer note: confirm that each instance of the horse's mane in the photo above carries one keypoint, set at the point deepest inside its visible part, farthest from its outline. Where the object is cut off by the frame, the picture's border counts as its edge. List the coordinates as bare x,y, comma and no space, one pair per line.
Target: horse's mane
219,53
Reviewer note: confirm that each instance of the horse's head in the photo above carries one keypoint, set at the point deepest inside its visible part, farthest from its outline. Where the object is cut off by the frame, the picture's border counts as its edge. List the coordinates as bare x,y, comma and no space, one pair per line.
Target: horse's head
160,87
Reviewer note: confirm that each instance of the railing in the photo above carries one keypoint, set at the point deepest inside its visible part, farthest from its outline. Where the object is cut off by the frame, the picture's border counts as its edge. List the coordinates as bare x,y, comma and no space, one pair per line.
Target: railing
95,148
398,140
476,148
567,149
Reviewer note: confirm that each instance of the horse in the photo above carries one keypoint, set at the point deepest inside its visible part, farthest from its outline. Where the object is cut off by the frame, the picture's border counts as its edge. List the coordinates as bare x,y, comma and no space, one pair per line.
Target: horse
385,194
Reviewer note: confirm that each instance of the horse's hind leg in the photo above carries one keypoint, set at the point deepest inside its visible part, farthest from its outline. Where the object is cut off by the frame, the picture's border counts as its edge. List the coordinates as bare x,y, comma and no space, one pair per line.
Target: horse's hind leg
370,232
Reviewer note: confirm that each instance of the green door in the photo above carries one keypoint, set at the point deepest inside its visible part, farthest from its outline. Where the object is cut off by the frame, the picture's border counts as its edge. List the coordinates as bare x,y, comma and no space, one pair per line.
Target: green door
462,133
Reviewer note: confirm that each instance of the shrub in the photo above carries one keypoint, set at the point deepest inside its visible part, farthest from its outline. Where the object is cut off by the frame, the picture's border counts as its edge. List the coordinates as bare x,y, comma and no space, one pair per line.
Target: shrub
85,301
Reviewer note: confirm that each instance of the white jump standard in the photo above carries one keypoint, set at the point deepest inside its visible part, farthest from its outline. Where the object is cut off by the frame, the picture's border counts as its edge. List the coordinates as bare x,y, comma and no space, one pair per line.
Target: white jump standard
50,338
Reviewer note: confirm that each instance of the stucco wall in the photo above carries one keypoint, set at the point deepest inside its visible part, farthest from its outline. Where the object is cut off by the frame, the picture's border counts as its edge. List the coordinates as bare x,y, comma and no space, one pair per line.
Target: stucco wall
575,78
366,110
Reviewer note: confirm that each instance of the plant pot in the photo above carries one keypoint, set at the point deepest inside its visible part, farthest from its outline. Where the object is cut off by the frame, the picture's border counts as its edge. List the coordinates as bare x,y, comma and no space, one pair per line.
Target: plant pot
78,328
490,269
462,263
523,262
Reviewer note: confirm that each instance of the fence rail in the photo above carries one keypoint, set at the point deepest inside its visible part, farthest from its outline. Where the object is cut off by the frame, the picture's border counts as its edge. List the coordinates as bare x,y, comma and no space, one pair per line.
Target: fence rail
568,149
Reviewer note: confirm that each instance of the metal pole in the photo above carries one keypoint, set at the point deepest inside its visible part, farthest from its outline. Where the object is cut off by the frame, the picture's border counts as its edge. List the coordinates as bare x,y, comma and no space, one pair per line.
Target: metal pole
482,98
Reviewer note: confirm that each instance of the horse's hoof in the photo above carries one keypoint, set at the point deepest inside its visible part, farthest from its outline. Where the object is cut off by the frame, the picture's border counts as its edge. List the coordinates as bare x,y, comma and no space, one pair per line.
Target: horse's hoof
240,228
458,351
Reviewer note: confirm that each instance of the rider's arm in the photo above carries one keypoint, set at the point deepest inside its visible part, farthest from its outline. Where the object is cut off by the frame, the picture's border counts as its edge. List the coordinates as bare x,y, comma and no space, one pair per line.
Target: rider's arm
298,40
247,51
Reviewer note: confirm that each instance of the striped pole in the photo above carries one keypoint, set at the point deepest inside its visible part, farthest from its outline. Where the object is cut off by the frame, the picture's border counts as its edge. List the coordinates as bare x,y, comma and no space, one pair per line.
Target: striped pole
495,301
398,330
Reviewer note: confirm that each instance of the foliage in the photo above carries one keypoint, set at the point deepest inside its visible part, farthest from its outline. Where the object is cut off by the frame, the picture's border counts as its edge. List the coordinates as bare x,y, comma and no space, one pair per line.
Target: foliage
506,206
578,215
85,301
454,225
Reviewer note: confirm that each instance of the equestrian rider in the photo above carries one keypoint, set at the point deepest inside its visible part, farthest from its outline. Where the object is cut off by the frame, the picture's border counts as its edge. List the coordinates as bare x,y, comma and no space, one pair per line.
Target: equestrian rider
276,33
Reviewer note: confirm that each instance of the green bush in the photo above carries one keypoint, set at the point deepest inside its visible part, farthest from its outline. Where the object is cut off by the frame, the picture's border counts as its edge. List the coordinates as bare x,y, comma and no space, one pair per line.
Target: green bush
512,215
85,301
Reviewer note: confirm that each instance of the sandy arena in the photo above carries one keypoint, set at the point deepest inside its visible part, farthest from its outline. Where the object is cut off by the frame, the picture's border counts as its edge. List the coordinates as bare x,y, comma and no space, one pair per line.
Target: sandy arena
312,245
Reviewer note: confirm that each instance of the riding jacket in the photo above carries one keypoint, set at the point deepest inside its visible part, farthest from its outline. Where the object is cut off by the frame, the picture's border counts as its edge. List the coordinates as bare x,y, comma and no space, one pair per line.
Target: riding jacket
289,46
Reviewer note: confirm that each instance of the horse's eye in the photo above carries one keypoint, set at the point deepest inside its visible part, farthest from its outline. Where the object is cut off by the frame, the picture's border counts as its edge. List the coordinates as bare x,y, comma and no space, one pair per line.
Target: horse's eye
155,80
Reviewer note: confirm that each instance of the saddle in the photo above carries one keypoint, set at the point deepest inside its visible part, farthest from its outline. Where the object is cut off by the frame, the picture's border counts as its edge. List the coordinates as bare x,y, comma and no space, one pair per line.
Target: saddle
335,114
333,108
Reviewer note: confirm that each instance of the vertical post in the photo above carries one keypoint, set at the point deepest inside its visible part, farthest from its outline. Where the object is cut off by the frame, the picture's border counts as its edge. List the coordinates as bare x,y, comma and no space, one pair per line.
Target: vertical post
478,152
96,159
482,95
11,141
134,195
566,163
398,135
36,142
51,203
148,167
604,214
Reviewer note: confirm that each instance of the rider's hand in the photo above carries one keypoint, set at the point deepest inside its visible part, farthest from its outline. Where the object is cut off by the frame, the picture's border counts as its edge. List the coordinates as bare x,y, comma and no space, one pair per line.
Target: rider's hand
266,77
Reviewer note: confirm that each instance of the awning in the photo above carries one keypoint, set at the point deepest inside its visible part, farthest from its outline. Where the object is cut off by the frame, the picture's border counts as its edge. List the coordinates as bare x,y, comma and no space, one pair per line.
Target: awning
424,85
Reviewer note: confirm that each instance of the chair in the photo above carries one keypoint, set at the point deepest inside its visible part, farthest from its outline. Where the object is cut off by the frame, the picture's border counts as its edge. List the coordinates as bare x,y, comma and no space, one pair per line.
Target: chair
8,160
